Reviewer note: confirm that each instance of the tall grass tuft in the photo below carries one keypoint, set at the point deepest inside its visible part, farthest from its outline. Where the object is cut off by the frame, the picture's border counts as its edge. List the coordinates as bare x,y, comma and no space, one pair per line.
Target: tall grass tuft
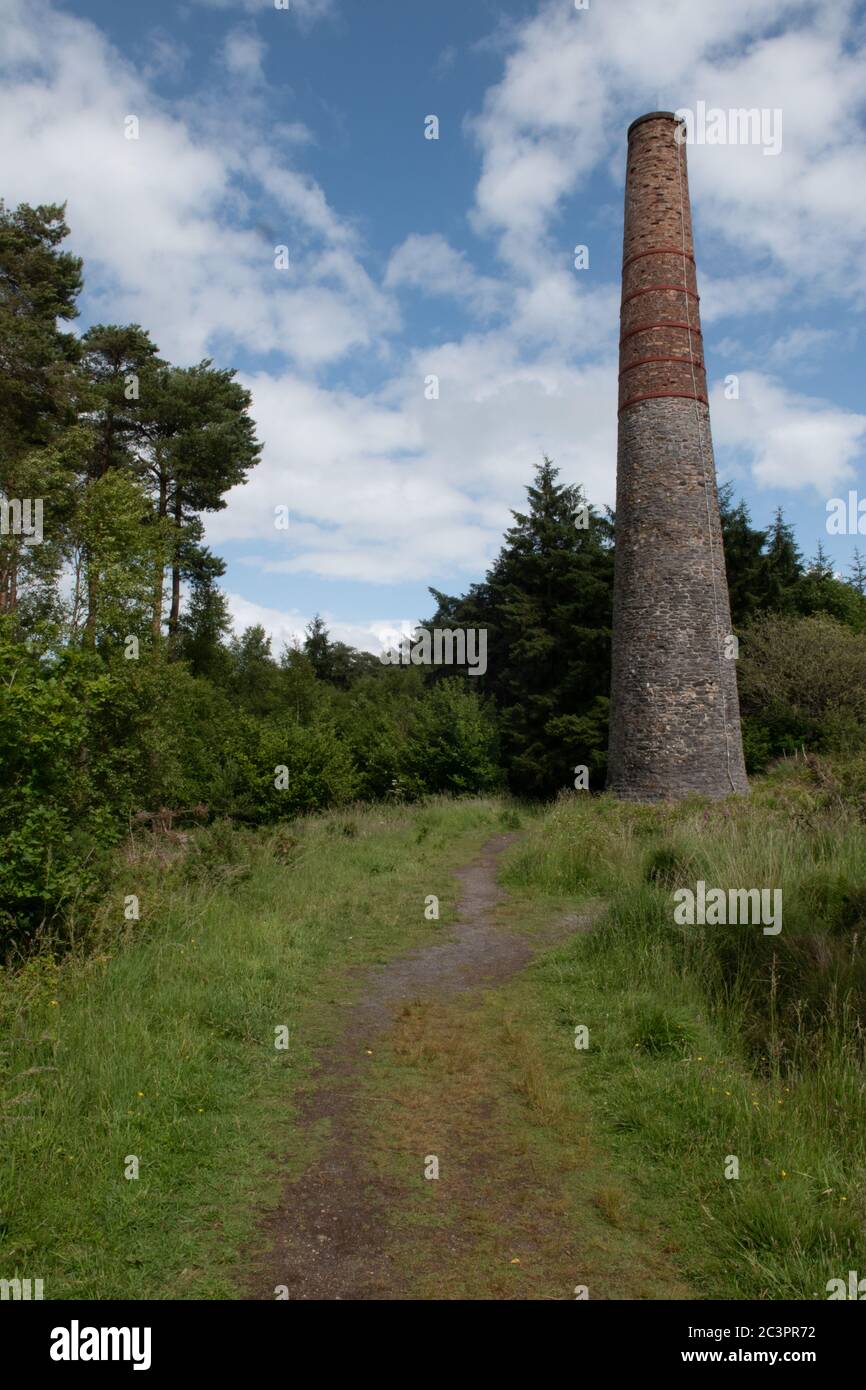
711,1041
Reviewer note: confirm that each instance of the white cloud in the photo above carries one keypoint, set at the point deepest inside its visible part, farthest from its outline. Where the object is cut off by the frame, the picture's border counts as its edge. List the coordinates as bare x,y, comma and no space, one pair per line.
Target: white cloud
307,12
285,627
739,296
386,486
803,345
793,441
563,310
154,216
243,54
431,264
804,208
574,78
167,57
395,487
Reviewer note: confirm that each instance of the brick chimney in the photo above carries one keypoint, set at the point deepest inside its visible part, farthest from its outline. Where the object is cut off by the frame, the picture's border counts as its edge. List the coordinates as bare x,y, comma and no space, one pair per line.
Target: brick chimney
674,718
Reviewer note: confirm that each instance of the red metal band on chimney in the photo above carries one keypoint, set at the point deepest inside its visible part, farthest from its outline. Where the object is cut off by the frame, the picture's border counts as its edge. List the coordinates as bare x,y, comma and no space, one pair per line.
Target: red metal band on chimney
659,395
660,251
648,289
688,361
659,323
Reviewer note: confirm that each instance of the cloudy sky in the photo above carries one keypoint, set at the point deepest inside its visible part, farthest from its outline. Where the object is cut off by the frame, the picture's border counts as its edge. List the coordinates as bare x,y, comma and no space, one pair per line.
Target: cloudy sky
304,126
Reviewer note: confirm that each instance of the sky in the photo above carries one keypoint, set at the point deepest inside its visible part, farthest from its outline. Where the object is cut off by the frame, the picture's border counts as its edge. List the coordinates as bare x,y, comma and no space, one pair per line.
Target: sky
306,127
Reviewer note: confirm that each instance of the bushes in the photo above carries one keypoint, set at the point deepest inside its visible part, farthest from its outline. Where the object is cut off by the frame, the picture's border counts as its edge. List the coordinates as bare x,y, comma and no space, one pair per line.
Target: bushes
50,829
408,741
374,722
452,746
88,739
319,772
802,683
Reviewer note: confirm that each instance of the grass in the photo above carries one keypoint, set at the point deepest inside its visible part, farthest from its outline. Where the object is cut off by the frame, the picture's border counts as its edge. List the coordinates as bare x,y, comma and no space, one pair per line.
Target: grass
709,1044
156,1041
528,1203
711,1050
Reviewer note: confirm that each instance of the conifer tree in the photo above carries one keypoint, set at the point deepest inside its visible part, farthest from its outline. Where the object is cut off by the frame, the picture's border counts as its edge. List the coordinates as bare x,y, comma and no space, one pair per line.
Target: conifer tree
546,605
783,568
39,381
744,560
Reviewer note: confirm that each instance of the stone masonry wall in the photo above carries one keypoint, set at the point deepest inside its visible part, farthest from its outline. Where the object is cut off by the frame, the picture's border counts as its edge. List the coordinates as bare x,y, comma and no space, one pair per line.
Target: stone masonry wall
675,723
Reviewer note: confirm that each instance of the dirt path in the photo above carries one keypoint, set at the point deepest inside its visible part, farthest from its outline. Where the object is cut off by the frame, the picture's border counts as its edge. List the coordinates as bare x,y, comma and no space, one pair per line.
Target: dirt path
343,1229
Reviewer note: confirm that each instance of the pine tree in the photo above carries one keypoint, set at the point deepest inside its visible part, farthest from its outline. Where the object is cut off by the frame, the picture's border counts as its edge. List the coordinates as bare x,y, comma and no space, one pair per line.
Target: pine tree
202,443
744,560
39,381
546,605
39,285
256,675
120,363
782,571
317,647
205,627
820,563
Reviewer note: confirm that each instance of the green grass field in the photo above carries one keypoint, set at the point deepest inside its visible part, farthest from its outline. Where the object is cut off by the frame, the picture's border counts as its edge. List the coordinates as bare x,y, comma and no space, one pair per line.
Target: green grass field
158,1040
718,1042
155,1039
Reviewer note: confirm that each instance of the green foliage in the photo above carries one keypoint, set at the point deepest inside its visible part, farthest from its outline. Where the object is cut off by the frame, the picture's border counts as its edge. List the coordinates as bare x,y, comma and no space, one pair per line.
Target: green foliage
254,676
452,746
767,574
319,771
114,529
39,385
546,606
334,662
204,628
38,287
802,685
408,740
50,831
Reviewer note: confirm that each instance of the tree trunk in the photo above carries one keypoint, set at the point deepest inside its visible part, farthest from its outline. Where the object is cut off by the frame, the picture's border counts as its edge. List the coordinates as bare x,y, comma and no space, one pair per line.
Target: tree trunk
8,586
175,570
156,622
92,590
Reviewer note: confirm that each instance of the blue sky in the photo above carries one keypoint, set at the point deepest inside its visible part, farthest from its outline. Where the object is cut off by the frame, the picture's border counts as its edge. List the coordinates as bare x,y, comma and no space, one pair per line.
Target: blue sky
410,257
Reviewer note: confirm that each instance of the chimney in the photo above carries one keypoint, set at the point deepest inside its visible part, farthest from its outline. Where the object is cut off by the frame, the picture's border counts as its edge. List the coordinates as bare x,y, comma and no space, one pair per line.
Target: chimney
674,717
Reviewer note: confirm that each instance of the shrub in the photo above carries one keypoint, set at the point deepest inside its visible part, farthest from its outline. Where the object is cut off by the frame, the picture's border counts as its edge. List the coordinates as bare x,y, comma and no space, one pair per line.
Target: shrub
802,683
452,745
